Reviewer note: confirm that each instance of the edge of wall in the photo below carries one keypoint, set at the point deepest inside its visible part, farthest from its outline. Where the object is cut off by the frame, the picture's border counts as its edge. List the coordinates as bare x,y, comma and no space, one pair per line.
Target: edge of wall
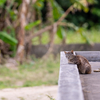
69,85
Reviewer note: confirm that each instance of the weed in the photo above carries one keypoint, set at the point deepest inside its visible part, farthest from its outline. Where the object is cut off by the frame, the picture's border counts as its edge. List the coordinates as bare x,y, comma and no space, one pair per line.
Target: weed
3,98
50,97
21,98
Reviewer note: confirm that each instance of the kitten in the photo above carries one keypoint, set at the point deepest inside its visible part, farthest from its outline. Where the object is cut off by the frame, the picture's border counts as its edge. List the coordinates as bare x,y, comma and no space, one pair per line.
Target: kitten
83,65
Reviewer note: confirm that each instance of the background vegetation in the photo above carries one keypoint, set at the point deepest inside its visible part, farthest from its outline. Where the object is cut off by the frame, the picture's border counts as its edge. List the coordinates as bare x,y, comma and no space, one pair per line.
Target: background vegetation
35,73
24,23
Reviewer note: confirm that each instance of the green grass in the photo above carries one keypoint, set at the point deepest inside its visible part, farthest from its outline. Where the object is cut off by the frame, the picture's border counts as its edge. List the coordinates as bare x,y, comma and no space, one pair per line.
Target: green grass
72,37
39,72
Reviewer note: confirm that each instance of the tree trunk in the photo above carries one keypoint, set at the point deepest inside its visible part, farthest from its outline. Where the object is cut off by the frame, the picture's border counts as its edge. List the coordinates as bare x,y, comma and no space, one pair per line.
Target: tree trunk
50,20
64,41
2,18
40,25
30,18
54,30
20,32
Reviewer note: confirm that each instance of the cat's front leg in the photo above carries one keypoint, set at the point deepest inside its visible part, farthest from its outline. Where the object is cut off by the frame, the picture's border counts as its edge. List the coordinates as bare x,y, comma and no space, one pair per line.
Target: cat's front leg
69,62
82,71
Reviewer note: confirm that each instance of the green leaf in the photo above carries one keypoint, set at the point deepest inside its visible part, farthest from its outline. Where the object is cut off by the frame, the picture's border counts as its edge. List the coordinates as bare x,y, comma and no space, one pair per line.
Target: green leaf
12,14
61,32
79,5
2,2
86,10
57,10
82,33
33,24
18,2
96,11
92,1
7,38
39,4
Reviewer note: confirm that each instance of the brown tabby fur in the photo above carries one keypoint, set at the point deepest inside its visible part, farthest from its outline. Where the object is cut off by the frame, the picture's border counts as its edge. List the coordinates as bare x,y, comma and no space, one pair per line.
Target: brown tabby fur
82,63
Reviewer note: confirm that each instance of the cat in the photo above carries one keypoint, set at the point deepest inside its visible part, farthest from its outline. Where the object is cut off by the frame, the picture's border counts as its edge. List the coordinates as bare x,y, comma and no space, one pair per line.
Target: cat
83,65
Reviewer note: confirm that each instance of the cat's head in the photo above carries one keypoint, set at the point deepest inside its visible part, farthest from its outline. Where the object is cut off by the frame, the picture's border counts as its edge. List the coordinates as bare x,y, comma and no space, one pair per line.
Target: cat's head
68,54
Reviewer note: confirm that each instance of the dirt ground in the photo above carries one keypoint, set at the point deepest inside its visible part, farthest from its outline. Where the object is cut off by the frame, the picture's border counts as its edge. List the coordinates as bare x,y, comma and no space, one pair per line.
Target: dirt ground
29,93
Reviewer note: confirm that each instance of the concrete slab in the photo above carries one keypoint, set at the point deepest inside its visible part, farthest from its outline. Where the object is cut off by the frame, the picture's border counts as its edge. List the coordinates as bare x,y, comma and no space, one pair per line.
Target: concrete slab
90,55
91,83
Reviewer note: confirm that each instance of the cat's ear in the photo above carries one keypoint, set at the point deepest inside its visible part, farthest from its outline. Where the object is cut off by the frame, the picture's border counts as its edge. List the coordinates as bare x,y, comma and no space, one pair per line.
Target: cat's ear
72,51
65,52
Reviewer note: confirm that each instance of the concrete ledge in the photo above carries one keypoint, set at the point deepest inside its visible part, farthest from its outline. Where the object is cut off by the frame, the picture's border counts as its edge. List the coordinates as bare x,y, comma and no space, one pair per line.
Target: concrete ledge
69,85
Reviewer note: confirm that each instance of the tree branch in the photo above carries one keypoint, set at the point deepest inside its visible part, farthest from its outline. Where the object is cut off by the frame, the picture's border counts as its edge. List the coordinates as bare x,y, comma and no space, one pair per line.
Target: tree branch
50,27
65,14
38,33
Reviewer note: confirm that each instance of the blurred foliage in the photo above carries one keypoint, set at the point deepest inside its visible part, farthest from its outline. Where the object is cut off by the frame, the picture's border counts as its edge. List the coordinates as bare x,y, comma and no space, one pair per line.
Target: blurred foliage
32,24
82,33
96,11
88,15
39,4
61,32
7,38
2,2
72,37
85,15
57,10
81,5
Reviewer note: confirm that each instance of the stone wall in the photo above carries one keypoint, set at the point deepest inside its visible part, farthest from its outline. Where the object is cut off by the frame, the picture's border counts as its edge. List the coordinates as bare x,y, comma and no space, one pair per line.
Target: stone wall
40,50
